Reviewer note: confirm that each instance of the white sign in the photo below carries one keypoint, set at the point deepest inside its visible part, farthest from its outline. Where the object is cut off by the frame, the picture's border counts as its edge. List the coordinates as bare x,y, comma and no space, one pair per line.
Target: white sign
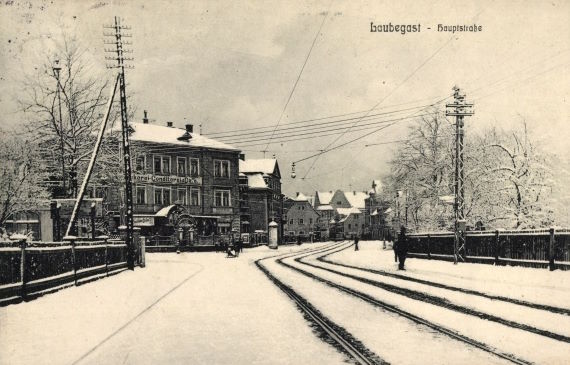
172,179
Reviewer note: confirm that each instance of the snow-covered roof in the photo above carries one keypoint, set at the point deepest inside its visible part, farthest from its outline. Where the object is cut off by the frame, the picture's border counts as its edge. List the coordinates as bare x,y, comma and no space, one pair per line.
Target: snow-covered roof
154,133
301,198
263,165
374,213
325,197
256,181
356,198
325,207
348,211
164,211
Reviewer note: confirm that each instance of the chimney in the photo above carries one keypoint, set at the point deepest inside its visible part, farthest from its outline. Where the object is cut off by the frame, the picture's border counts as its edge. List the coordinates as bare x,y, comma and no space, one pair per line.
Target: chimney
145,119
169,124
330,191
242,156
297,193
189,128
353,192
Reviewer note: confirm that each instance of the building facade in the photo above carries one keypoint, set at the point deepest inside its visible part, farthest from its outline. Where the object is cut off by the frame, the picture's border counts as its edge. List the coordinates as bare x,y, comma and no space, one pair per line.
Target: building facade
261,198
302,219
185,185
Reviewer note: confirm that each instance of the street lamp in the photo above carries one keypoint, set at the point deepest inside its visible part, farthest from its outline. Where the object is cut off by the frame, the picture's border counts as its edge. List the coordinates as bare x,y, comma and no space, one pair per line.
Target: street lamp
56,69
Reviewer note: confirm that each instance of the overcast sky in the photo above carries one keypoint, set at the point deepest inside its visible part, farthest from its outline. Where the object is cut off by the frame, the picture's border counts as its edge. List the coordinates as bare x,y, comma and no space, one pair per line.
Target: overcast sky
233,64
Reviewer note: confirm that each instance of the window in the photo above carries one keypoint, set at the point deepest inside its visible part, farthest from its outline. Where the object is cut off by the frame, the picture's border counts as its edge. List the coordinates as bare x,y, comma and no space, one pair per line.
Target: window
194,196
181,166
140,164
194,167
291,233
221,168
291,221
349,226
339,203
182,197
161,196
300,220
141,195
222,198
310,220
161,165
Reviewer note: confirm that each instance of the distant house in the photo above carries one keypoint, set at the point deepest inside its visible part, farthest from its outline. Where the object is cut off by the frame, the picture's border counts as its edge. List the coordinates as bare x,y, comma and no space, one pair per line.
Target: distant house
348,213
302,218
260,181
376,226
323,206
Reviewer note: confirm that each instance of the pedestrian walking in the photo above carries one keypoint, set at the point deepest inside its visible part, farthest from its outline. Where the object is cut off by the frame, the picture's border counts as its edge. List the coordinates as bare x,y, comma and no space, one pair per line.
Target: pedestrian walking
238,246
355,243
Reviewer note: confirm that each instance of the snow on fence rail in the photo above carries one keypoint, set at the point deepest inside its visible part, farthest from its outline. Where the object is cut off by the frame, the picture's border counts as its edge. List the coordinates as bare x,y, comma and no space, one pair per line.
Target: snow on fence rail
28,270
534,248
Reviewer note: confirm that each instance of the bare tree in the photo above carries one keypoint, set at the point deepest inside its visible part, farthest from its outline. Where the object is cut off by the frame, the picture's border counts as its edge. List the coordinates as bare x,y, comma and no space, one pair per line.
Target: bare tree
63,105
421,170
22,176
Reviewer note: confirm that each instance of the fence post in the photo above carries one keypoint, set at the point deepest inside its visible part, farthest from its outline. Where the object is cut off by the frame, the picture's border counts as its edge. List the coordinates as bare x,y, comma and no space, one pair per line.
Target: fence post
105,238
23,245
428,247
497,247
143,249
551,245
71,240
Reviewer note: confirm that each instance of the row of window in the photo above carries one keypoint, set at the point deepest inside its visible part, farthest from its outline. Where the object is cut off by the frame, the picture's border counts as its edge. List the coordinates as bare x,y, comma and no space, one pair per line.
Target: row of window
162,166
164,195
301,221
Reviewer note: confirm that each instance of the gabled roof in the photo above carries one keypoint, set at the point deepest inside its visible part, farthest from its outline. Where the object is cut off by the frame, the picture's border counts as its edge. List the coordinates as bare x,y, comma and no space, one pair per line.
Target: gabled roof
161,134
324,197
356,198
267,166
256,181
347,211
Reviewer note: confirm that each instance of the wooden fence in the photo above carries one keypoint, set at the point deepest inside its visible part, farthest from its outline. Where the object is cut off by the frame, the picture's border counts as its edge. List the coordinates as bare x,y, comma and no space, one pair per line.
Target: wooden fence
531,248
28,270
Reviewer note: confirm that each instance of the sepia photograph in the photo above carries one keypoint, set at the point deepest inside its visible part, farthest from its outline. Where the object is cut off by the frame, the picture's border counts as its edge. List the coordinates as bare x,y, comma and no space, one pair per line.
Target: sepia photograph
284,182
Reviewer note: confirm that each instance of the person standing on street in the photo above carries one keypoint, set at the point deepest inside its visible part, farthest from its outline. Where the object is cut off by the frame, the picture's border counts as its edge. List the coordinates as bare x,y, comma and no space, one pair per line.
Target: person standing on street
355,243
402,249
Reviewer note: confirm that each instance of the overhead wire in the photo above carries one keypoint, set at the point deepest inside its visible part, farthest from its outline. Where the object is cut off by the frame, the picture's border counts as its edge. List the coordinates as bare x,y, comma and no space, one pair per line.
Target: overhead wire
300,72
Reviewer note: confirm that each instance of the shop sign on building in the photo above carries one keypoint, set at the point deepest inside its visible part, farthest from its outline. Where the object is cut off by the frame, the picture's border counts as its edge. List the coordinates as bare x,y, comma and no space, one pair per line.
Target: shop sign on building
172,179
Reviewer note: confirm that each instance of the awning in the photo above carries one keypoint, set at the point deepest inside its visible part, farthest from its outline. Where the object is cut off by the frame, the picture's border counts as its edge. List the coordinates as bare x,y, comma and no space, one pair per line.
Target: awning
164,212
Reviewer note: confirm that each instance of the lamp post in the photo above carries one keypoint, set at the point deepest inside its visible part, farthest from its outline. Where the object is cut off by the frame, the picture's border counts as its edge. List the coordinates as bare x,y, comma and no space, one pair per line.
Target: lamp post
56,69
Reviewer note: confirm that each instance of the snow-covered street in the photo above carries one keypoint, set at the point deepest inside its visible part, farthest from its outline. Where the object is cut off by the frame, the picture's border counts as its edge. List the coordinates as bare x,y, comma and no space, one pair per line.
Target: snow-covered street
204,308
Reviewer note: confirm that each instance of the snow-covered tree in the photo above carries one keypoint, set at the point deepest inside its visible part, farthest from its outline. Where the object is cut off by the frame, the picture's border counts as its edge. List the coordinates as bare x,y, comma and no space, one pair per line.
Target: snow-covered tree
67,138
512,180
21,176
421,171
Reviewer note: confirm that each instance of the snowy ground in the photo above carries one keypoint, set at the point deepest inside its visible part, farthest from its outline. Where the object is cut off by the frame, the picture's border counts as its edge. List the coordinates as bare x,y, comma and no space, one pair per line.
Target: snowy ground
192,308
203,308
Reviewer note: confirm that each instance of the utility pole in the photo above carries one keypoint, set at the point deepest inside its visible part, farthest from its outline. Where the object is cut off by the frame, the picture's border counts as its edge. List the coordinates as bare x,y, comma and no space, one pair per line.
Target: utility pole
459,109
56,69
125,129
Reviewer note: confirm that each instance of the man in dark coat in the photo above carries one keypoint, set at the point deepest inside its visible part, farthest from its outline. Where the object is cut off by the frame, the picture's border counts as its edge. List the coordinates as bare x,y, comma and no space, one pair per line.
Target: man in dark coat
402,248
355,243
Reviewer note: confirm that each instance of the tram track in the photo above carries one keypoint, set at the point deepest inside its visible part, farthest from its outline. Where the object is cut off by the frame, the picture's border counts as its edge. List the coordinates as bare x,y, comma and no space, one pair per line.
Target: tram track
440,302
548,308
328,330
391,308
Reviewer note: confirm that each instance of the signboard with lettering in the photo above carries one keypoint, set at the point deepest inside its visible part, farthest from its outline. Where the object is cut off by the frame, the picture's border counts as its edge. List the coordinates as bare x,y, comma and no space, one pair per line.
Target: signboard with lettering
170,179
143,221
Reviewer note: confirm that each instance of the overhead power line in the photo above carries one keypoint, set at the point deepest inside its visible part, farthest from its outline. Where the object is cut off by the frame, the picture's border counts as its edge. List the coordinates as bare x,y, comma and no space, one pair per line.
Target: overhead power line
300,72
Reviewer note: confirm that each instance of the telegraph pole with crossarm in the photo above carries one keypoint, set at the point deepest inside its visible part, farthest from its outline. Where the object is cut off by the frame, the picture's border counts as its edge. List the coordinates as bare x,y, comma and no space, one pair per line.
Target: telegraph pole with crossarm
459,109
119,51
